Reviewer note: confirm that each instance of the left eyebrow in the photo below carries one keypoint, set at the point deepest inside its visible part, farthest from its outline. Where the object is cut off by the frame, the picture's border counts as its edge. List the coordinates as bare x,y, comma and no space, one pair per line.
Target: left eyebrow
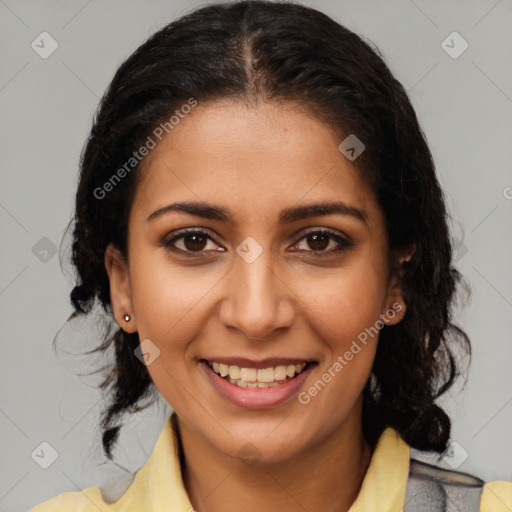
294,214
287,216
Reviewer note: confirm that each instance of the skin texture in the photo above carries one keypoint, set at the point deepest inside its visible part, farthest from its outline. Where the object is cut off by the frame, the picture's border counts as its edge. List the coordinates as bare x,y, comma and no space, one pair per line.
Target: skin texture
256,161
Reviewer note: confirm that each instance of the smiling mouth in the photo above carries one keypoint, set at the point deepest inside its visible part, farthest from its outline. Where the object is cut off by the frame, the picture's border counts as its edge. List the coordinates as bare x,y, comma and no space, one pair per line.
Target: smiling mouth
258,377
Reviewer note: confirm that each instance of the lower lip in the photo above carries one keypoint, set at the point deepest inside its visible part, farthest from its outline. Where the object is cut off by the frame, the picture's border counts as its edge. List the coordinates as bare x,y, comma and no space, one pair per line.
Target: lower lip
256,398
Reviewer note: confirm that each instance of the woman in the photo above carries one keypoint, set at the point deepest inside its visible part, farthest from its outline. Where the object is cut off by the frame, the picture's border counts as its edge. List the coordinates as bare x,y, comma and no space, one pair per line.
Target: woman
259,211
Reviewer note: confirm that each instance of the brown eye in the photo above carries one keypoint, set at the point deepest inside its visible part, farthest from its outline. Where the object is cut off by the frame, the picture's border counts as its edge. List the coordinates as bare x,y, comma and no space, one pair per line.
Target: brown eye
191,241
317,242
194,242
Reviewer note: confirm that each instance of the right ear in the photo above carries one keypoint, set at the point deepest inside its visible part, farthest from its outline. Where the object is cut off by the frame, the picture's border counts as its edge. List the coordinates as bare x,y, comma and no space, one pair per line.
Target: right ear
120,288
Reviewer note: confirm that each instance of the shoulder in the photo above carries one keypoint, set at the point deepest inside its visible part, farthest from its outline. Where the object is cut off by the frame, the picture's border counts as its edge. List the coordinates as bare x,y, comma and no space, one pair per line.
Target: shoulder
497,497
438,487
91,499
150,484
86,500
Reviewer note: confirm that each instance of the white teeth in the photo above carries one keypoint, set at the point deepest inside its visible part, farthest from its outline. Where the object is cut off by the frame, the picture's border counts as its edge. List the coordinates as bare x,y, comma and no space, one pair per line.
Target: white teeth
248,374
280,372
234,372
266,375
257,378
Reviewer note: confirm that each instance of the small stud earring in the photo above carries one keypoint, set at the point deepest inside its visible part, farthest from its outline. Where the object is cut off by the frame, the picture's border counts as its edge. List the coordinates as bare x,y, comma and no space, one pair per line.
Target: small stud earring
126,318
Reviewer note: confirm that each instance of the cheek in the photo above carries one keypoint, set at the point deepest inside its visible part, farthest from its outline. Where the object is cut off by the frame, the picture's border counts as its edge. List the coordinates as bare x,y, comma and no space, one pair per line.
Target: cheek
165,297
345,318
343,310
343,304
167,304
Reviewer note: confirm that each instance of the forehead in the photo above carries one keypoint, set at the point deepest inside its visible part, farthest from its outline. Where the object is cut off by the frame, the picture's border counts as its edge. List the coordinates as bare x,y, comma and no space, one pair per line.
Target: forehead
252,159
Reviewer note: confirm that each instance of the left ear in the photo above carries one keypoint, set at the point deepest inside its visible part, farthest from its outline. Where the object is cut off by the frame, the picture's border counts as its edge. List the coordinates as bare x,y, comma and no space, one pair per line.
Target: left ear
395,307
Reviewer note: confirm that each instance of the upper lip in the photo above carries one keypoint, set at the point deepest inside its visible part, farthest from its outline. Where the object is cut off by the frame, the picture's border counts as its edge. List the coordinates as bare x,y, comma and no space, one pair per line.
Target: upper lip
261,363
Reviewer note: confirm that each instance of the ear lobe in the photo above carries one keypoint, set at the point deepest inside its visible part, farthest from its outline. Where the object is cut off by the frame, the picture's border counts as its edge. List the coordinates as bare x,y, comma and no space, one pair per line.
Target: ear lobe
395,303
120,288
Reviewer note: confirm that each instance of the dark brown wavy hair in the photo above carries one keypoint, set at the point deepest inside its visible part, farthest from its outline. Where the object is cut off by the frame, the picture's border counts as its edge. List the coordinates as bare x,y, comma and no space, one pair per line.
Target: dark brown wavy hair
283,52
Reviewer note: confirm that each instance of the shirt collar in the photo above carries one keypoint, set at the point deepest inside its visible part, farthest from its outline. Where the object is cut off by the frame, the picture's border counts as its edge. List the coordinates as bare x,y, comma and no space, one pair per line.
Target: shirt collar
385,481
383,486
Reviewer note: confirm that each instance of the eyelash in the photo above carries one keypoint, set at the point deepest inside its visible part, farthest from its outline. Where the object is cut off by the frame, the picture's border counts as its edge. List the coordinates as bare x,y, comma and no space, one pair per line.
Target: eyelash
343,242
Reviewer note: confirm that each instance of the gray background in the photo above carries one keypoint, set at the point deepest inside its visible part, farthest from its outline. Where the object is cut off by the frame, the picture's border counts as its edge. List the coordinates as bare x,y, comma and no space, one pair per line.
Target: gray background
464,105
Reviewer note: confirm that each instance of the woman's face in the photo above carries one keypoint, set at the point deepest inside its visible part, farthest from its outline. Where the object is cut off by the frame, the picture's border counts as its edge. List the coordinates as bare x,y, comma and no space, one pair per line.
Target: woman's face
269,282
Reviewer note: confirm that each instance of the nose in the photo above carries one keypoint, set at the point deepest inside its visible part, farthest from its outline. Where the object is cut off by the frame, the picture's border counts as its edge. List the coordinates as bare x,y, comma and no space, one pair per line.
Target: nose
257,302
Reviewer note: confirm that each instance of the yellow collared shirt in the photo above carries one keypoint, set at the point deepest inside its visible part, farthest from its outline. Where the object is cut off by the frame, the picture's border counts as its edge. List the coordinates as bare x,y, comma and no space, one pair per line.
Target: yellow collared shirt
158,486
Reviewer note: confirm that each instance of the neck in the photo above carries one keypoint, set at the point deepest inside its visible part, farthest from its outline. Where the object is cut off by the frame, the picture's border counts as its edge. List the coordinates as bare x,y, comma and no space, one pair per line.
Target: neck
327,476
